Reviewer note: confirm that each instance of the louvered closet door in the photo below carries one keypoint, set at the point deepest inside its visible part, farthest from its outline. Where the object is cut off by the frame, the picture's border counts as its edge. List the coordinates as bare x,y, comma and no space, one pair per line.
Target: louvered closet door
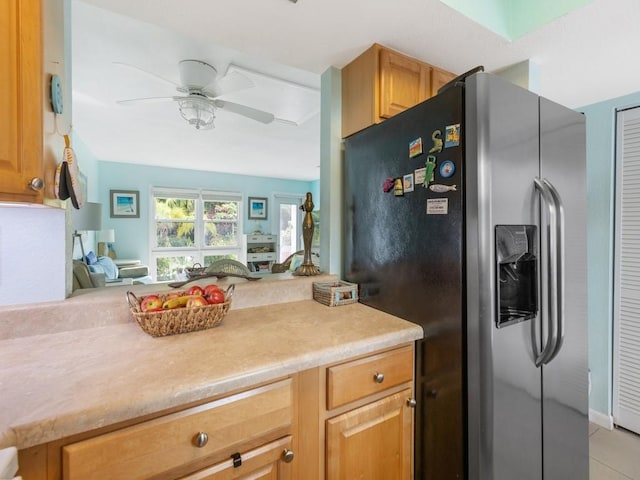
626,391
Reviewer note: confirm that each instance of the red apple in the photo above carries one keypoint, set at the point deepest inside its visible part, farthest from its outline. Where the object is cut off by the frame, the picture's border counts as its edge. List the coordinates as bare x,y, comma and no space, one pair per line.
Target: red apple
150,302
216,297
197,301
211,288
195,290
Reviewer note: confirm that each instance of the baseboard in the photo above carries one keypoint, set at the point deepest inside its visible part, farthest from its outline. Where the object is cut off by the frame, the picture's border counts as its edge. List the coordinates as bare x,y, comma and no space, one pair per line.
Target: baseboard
600,419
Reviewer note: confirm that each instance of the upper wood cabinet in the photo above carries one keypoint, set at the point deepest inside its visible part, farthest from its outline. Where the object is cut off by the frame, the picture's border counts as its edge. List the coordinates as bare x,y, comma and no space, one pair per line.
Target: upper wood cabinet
21,100
381,83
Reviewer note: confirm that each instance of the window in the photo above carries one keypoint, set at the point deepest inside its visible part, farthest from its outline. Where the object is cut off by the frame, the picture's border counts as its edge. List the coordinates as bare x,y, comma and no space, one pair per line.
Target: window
190,226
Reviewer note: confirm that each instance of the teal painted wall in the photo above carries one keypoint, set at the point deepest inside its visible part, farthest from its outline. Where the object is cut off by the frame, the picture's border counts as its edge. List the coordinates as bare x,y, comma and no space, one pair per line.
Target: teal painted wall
600,119
132,235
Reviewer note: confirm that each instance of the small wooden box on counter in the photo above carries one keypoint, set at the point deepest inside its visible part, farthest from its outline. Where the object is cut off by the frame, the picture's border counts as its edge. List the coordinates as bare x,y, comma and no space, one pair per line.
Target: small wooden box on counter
335,293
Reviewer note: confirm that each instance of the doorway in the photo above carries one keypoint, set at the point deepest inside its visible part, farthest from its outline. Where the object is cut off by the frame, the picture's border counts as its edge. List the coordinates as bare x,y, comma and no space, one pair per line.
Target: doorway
289,215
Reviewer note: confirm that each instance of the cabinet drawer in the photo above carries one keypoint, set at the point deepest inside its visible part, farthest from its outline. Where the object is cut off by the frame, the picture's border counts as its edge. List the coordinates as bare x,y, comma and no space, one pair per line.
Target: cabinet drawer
261,238
262,463
351,381
167,443
261,257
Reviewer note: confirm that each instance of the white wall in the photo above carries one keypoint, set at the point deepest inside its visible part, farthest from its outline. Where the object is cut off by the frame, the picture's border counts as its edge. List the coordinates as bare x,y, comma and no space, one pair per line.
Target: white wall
32,254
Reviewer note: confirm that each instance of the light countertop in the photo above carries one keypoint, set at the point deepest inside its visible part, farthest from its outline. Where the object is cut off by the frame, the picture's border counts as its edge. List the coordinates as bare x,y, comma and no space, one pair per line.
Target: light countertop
65,382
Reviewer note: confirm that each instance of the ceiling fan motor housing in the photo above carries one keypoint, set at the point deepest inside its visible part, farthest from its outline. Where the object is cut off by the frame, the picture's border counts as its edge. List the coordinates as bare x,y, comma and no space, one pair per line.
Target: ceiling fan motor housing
196,74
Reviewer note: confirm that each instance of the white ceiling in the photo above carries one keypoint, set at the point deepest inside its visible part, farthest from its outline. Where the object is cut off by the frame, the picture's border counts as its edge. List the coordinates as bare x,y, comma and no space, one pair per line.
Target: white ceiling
584,57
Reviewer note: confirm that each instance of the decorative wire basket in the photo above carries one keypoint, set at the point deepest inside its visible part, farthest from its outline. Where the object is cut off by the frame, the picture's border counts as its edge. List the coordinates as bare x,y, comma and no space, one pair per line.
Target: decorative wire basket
196,271
178,320
335,293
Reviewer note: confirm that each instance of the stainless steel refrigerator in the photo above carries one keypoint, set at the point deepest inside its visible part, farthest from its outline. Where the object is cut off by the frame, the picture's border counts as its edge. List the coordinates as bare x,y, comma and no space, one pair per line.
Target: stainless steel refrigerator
466,214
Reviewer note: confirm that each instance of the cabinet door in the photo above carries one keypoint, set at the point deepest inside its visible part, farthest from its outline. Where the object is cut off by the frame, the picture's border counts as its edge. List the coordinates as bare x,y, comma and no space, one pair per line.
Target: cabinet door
373,441
439,78
263,463
20,99
404,82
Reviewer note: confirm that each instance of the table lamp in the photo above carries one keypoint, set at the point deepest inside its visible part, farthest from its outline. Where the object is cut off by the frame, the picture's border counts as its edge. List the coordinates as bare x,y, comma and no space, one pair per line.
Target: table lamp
86,219
105,238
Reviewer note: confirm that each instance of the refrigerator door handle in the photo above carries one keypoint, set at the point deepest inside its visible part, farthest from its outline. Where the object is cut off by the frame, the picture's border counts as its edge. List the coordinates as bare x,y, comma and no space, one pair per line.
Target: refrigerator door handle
545,355
558,233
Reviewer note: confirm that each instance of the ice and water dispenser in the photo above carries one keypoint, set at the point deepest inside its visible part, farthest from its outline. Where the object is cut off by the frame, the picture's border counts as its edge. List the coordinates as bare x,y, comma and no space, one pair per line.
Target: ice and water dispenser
516,272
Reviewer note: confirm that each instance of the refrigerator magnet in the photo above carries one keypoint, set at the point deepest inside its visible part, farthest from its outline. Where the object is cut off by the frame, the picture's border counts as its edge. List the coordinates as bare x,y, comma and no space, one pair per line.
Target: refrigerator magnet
415,147
437,142
437,206
430,166
452,136
447,169
419,174
387,186
438,188
407,182
398,188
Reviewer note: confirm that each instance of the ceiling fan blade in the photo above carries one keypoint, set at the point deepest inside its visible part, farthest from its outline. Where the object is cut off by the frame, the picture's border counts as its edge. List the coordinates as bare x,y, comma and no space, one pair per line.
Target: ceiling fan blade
146,72
133,101
252,113
231,82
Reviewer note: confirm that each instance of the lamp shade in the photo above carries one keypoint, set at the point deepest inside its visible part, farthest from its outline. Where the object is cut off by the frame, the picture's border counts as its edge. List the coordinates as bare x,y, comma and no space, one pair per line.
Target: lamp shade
88,218
107,236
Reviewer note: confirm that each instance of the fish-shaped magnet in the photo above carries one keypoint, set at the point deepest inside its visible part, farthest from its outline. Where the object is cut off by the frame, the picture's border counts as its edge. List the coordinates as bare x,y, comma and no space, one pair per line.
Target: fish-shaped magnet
437,142
438,188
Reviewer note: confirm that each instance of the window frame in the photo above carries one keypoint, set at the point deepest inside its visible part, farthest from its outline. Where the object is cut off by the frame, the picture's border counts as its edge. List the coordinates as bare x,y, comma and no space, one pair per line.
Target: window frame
198,251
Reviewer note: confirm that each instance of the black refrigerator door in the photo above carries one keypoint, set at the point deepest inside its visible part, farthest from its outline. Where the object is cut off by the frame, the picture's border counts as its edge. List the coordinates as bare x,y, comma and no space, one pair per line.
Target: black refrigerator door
405,253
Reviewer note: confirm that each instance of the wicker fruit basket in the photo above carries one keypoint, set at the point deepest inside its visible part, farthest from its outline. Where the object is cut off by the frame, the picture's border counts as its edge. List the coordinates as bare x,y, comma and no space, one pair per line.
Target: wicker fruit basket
178,320
335,293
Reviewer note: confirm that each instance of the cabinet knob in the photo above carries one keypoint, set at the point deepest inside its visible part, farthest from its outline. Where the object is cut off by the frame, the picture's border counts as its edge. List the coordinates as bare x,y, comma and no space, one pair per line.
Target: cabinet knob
432,393
411,402
378,377
287,455
36,184
201,439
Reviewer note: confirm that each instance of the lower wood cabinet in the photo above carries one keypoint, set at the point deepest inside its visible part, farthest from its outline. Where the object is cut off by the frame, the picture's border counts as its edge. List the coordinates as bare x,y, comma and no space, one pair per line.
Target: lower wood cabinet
183,442
343,421
373,441
269,462
372,436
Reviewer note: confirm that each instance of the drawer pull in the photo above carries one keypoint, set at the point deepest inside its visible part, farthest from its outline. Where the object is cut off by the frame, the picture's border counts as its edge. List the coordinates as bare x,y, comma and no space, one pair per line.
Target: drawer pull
287,455
201,439
411,402
378,377
237,460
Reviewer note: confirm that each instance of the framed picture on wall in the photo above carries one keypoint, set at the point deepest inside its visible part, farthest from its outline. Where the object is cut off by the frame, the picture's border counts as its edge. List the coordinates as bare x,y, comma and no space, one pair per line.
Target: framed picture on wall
124,203
257,208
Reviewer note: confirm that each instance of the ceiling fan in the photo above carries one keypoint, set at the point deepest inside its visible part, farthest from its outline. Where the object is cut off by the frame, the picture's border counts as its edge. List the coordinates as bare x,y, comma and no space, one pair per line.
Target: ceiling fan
202,87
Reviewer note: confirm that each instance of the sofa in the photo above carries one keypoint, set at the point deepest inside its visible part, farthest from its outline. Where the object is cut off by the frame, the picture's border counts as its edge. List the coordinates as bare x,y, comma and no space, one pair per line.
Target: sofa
84,278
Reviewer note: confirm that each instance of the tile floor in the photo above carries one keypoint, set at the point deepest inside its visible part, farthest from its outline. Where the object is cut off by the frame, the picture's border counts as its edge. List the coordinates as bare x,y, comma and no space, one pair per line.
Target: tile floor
614,455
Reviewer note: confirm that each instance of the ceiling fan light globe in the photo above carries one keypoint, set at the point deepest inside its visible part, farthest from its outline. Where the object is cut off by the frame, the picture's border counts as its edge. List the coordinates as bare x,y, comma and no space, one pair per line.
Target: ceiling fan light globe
198,112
